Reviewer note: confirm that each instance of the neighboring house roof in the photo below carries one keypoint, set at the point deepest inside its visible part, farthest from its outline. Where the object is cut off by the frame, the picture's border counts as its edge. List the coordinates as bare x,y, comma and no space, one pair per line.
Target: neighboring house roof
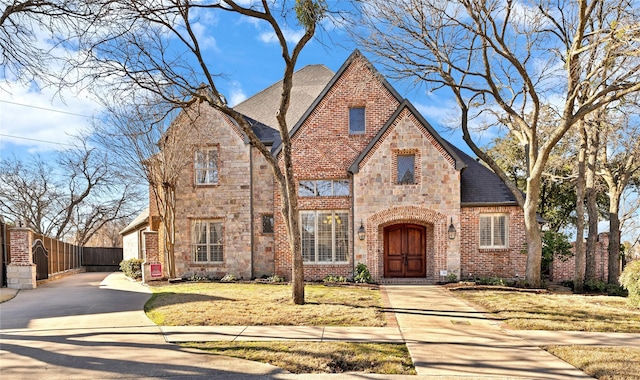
479,185
141,220
460,164
308,82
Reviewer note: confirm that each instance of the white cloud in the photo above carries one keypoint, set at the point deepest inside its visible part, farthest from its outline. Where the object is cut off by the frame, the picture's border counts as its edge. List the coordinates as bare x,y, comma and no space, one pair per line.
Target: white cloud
290,35
204,37
39,121
236,94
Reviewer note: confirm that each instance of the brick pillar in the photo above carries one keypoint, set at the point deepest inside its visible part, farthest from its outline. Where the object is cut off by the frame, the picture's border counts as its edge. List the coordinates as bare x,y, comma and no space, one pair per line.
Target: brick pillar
152,257
21,272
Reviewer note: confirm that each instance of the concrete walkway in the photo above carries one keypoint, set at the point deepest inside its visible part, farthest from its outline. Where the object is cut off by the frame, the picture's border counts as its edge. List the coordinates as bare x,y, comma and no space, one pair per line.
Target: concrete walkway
448,338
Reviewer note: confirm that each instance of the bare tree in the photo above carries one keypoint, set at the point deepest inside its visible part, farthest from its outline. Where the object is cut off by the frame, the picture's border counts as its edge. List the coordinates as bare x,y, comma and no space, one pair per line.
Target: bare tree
620,162
36,37
150,149
505,61
71,200
157,50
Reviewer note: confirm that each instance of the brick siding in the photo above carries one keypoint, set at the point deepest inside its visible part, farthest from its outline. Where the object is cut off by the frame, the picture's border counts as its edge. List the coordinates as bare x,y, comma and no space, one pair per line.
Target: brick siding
565,270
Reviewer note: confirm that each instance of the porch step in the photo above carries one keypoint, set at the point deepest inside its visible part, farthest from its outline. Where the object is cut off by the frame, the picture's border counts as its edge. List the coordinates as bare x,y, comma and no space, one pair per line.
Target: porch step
407,281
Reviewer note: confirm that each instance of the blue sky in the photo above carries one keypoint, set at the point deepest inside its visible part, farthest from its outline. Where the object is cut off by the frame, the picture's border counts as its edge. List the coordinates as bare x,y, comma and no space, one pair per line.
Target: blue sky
36,121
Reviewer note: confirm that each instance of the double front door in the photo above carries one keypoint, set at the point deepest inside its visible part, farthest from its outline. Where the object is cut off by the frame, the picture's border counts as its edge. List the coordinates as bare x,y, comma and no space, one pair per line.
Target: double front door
405,250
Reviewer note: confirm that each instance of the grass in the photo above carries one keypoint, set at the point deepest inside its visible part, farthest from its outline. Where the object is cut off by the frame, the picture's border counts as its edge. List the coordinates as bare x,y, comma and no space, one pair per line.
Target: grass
315,357
604,363
250,304
557,312
570,312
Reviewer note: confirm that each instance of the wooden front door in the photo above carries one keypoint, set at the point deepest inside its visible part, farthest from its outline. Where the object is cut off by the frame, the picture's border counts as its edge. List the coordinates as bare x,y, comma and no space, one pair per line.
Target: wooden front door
405,251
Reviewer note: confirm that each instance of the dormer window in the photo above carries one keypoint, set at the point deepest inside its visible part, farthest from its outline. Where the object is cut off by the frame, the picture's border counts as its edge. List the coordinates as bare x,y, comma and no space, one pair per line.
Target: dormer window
356,121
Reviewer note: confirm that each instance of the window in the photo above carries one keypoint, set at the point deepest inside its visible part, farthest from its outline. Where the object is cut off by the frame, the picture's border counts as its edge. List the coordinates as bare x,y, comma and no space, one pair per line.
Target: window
206,166
324,236
493,231
206,239
267,224
324,188
356,120
406,169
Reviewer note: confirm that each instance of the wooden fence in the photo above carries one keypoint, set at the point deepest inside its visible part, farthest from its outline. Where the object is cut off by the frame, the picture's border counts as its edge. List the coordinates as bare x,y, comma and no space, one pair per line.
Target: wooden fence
100,259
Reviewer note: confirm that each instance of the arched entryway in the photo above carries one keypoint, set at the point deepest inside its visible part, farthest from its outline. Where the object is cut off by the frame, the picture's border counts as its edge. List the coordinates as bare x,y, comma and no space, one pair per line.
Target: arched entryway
405,248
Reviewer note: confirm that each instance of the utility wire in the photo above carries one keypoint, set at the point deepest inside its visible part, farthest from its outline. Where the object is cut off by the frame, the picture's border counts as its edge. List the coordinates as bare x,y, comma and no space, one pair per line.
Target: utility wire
42,141
43,108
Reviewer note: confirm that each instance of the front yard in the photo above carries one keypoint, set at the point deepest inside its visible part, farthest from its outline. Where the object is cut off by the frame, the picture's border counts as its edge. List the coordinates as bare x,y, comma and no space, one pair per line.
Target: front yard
252,304
268,304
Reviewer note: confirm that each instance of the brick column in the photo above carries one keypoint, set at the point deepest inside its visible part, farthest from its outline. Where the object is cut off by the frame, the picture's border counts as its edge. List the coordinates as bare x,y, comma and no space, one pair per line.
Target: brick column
152,256
21,272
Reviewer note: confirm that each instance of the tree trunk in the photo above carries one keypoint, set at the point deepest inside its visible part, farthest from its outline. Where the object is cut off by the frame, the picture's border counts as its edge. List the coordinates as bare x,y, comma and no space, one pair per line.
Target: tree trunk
614,237
580,258
532,231
591,199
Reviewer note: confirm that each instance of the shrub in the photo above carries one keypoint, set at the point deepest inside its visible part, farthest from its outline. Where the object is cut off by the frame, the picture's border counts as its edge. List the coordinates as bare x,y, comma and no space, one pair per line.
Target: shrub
229,278
630,280
362,274
490,281
334,279
452,277
132,268
275,278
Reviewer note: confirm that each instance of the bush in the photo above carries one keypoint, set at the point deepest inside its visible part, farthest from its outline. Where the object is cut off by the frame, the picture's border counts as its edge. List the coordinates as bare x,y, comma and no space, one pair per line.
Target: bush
229,278
630,280
497,281
452,277
362,274
132,268
275,278
334,279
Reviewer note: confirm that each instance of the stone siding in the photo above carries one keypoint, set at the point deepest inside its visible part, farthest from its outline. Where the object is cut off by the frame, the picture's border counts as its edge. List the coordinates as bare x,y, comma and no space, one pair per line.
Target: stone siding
227,202
508,262
434,201
263,243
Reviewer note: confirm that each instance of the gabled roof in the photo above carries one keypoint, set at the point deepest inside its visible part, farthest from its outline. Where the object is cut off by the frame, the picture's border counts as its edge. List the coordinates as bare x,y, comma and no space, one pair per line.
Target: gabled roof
355,167
308,82
479,185
356,54
138,222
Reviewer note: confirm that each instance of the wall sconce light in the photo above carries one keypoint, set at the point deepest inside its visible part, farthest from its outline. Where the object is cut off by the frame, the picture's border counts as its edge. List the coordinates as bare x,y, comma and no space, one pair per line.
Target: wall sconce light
452,230
361,231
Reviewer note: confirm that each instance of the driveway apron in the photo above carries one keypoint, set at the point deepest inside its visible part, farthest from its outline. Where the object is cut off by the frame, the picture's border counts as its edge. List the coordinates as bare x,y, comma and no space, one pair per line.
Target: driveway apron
448,337
92,326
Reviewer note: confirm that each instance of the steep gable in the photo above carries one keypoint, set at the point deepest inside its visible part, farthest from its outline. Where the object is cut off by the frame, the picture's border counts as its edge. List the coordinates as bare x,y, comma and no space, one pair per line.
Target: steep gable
404,109
321,141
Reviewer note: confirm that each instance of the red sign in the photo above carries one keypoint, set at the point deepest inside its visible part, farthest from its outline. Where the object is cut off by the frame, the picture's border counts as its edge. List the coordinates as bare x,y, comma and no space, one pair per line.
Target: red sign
156,270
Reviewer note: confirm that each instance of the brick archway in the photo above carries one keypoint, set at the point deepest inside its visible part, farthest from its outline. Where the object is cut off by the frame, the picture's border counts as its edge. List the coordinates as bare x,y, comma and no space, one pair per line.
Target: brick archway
435,223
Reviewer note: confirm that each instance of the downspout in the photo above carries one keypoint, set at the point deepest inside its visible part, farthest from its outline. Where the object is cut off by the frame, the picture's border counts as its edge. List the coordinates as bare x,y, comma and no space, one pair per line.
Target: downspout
353,227
251,207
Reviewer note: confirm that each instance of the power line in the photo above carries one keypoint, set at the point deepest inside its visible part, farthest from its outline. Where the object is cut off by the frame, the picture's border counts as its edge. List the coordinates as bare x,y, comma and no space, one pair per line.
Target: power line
43,108
37,140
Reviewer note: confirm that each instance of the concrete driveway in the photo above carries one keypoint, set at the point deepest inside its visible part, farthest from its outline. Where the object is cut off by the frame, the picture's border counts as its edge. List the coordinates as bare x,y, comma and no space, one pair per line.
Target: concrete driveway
92,326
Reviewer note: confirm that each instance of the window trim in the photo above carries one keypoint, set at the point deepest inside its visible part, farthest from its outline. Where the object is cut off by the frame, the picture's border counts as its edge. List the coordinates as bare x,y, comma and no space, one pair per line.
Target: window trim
364,121
493,217
208,244
206,149
316,221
